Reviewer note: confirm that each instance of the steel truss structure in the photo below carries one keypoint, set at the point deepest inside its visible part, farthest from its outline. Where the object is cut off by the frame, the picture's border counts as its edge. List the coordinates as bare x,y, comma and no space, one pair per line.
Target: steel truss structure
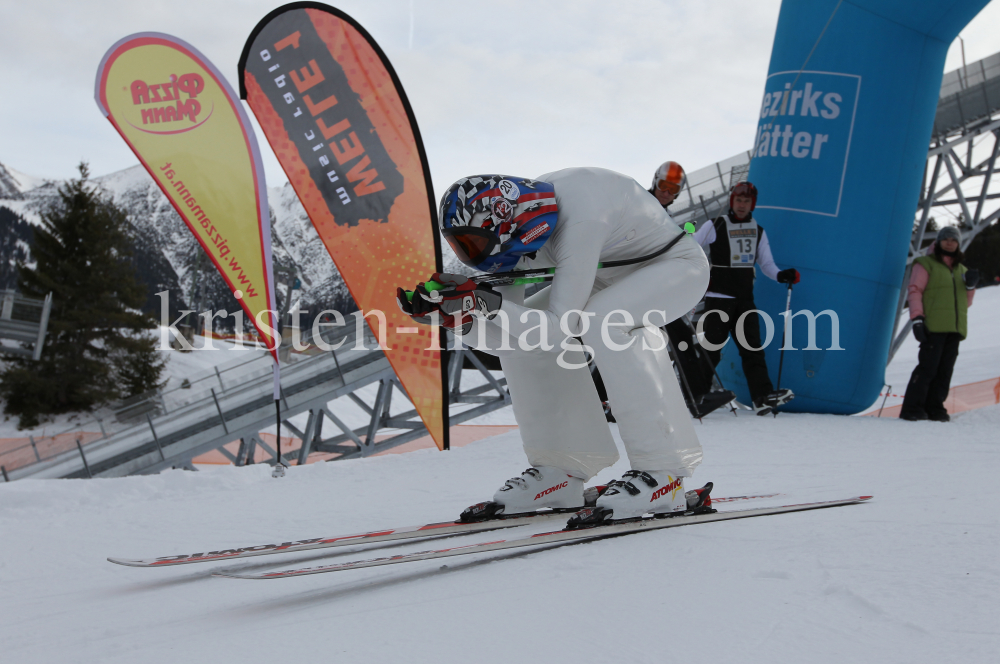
350,443
326,432
959,183
312,385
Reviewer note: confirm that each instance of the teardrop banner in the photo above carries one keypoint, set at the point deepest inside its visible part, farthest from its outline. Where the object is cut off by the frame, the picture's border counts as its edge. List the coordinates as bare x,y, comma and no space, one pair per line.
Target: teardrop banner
188,128
337,118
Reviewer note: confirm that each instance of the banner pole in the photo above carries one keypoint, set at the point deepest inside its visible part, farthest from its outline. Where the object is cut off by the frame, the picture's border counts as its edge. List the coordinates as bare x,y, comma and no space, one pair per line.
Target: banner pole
784,334
279,467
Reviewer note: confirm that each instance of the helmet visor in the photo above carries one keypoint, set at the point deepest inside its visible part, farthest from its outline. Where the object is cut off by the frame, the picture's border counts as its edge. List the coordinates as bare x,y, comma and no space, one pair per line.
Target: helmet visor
471,245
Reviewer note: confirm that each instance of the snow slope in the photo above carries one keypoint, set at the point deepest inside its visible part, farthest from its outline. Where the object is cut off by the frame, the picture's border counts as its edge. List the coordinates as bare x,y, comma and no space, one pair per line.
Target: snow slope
910,577
13,183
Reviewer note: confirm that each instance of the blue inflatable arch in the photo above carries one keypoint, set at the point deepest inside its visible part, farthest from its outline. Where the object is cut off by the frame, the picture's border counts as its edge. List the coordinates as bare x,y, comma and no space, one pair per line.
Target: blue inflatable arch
844,128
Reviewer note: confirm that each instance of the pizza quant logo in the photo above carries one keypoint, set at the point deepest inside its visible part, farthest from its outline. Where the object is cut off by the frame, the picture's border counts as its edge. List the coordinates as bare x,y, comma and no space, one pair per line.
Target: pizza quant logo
173,103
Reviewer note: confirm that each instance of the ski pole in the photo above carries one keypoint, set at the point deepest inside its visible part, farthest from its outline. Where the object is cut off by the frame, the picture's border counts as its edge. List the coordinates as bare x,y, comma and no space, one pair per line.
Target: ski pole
704,356
684,382
784,332
545,273
511,279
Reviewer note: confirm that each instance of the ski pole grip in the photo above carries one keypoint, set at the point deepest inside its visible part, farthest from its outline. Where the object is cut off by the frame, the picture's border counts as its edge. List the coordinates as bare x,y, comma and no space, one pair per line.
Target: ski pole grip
430,286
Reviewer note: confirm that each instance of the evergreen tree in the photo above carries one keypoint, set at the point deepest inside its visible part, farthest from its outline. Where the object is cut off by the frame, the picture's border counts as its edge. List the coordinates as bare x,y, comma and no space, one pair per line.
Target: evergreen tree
98,347
15,237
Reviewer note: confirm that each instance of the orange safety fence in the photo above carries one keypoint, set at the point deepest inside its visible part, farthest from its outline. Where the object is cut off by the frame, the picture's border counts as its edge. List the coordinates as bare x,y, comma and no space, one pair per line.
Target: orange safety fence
462,435
960,398
18,452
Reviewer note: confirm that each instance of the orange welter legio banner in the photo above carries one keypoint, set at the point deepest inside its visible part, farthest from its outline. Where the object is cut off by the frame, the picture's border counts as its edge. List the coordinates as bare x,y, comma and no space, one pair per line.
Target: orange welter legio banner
189,129
336,117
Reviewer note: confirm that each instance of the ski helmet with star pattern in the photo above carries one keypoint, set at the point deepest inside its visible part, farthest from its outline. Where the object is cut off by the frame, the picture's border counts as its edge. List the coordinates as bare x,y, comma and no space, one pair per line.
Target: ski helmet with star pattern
491,221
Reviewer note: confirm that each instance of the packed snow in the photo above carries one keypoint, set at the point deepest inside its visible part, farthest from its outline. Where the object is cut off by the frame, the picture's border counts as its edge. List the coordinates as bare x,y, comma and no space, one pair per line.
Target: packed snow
910,577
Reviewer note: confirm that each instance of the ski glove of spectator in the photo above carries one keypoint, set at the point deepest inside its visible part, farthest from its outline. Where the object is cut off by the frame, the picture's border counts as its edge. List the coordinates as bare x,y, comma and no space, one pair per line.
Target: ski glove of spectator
919,329
789,276
971,279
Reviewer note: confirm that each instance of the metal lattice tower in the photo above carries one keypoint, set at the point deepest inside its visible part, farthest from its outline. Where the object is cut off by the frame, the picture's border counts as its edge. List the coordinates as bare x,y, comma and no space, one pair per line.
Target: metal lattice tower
959,186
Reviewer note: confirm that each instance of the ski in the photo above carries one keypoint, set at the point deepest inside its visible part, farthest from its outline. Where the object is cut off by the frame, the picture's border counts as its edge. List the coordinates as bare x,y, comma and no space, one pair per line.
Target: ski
387,535
447,528
559,536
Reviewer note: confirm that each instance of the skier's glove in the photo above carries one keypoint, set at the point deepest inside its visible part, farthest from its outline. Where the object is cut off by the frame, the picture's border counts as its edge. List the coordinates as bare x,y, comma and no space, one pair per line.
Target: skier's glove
919,329
789,276
971,279
455,297
414,306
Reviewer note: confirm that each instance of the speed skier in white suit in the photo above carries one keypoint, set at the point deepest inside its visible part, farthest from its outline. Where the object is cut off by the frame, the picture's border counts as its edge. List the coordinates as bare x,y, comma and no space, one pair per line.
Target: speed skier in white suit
573,220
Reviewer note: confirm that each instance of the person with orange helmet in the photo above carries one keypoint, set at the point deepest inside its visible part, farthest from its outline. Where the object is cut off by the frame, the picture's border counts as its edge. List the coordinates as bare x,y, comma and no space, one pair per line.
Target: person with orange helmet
696,370
668,181
735,243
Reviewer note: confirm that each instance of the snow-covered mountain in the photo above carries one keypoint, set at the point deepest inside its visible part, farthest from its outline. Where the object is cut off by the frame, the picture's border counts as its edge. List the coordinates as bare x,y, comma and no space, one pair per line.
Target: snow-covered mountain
167,255
13,184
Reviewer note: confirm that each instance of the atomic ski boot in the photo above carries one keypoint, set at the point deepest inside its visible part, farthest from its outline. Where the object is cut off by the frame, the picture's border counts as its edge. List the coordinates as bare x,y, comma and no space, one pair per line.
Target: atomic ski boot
536,488
697,501
639,492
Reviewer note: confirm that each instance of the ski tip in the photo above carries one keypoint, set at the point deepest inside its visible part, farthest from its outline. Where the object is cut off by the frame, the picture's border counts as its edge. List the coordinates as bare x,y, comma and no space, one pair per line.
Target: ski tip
126,562
865,497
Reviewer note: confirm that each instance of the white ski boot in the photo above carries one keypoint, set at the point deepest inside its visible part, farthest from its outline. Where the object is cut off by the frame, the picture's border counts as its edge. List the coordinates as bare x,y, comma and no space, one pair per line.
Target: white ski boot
696,501
639,492
536,488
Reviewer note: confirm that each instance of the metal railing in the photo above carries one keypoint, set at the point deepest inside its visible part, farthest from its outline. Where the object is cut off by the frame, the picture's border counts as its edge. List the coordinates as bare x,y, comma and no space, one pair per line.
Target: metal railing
966,77
192,391
968,94
24,320
706,194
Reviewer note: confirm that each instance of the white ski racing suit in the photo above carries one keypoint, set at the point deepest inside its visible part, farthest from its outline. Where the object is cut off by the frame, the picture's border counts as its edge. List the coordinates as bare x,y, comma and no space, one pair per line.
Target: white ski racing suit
603,216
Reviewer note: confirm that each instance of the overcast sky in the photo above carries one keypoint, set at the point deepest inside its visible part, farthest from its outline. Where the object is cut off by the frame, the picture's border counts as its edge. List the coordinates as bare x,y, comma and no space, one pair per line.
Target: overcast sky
519,87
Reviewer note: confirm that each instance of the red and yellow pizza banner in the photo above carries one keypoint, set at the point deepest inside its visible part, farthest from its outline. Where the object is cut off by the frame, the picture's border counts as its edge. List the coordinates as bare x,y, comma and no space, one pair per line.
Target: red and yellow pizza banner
188,128
336,117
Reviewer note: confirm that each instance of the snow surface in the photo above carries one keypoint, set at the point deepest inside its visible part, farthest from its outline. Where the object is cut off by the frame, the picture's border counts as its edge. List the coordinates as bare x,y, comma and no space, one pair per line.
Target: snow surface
25,182
910,577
